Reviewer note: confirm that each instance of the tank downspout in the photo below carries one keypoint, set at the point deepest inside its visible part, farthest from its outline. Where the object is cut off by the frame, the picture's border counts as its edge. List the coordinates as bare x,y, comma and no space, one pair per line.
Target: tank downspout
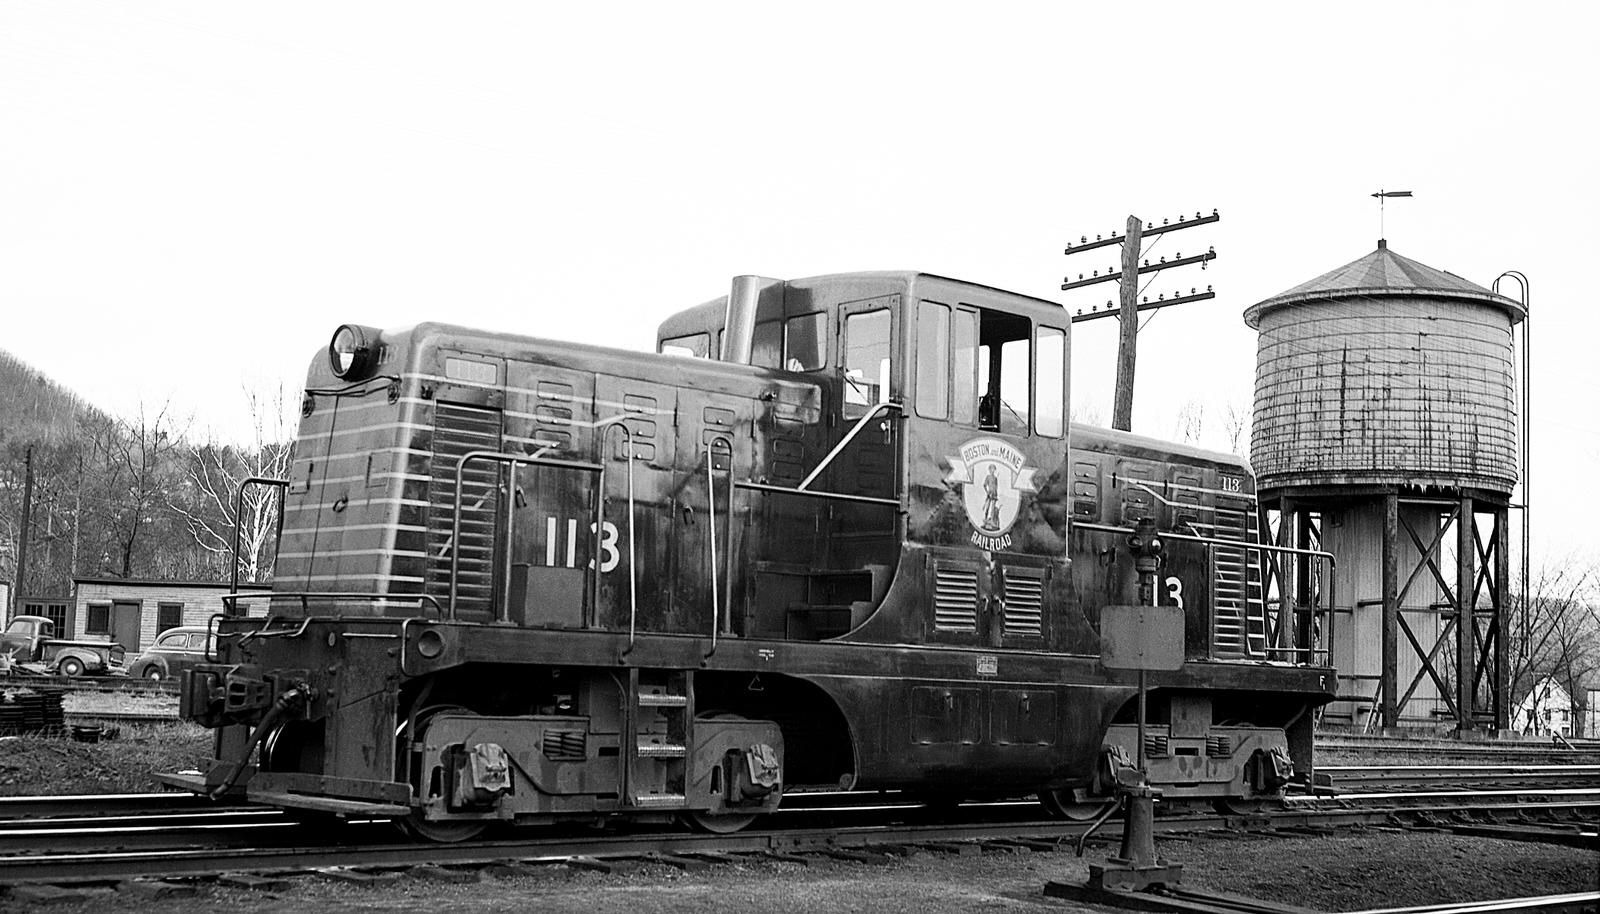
739,323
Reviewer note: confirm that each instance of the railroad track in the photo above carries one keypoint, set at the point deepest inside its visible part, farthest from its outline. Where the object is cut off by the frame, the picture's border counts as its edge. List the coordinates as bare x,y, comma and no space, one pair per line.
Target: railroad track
169,836
1459,751
1497,776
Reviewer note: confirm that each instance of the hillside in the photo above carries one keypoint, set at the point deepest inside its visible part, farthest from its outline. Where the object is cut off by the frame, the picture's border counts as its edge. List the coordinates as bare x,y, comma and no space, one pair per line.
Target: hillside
34,409
112,495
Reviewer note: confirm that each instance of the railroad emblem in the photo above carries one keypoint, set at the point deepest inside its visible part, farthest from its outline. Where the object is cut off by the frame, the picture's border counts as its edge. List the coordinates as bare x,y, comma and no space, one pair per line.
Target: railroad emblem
992,475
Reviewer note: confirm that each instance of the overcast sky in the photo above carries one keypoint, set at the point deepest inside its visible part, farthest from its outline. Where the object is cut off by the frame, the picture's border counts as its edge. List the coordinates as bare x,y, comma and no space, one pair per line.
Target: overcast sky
193,196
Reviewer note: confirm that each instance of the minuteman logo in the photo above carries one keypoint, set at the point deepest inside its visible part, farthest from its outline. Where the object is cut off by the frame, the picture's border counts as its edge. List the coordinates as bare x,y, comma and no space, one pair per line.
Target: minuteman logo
993,475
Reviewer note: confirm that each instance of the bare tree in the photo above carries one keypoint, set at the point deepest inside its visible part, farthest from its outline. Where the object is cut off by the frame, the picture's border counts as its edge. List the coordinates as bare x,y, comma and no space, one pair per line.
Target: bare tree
1236,423
1554,632
1191,422
135,474
1088,415
217,473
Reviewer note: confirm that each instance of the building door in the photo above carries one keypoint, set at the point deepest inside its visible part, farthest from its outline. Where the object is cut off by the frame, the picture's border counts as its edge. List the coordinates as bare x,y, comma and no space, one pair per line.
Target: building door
125,625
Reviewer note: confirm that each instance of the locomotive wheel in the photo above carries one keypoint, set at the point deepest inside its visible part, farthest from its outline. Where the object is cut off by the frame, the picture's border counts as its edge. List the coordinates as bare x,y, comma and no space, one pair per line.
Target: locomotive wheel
449,832
724,823
1067,804
1243,806
414,826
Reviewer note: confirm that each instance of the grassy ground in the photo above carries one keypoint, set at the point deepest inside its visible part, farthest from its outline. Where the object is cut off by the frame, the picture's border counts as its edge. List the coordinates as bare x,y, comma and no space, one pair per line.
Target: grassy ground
61,766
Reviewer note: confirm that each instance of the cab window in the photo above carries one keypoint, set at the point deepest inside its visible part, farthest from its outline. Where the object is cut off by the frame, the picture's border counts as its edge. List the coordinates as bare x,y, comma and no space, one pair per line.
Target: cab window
805,342
964,366
1050,383
796,344
1004,364
694,345
866,361
766,346
933,360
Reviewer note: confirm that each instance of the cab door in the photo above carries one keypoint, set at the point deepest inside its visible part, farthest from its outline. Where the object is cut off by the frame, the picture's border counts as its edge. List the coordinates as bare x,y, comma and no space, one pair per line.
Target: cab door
866,534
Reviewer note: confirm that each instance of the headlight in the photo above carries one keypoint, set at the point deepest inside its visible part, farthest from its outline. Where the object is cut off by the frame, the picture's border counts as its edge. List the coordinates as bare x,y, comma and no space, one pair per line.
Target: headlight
353,351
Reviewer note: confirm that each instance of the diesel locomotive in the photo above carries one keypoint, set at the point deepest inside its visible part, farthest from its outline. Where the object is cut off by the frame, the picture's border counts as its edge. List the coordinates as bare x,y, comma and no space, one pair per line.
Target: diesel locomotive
836,534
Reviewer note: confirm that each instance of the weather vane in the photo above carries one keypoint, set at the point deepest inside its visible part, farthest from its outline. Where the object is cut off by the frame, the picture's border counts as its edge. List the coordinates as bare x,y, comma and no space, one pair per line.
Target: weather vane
1384,195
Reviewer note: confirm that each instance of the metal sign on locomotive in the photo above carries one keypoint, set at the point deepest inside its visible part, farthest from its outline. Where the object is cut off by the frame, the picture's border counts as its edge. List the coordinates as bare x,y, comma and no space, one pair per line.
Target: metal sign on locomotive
837,533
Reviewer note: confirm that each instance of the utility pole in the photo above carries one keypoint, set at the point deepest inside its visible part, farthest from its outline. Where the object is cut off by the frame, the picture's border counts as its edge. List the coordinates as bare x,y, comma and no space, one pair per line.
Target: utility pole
27,520
1128,337
1130,306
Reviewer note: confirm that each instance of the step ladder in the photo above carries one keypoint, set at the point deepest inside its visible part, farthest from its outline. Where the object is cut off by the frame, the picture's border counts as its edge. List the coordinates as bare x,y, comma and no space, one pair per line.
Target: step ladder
658,729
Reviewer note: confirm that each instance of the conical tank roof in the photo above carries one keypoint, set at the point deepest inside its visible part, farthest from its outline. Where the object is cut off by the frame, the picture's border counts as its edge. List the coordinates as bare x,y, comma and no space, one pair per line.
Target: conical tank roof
1385,372
1383,272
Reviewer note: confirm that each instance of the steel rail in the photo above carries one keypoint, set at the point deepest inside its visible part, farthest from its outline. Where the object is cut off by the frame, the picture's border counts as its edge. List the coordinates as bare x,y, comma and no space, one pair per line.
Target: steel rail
62,867
1569,901
111,804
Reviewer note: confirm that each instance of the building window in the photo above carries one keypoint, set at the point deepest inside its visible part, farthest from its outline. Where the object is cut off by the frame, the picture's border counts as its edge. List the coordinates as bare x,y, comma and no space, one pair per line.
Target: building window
99,621
55,612
168,615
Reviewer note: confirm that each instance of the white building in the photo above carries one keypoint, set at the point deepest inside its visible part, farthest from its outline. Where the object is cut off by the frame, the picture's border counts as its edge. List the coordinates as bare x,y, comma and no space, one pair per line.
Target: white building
1545,710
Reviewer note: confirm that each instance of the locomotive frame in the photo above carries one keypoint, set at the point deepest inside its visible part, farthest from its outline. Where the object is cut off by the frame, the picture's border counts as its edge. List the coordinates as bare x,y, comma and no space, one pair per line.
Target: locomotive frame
522,580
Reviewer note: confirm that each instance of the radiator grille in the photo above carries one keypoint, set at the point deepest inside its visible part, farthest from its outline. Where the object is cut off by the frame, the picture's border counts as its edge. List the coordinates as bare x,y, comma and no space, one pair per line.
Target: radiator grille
457,430
1024,603
1240,628
955,598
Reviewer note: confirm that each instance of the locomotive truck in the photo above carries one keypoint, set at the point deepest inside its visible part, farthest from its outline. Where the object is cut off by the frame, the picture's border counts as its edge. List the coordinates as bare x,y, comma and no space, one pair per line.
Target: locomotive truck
854,545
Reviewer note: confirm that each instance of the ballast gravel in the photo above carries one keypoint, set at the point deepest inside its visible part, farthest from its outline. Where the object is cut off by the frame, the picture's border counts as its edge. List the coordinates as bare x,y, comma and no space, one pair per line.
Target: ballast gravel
1348,871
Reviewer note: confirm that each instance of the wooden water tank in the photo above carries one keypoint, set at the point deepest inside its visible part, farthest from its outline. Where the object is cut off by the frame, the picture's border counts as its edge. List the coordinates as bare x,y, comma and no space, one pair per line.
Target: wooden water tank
1385,372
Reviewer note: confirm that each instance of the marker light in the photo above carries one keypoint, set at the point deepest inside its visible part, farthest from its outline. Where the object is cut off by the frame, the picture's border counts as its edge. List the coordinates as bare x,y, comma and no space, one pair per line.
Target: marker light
352,352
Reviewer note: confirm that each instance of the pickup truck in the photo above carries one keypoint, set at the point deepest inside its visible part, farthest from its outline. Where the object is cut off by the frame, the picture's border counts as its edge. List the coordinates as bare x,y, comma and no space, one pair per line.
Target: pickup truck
29,643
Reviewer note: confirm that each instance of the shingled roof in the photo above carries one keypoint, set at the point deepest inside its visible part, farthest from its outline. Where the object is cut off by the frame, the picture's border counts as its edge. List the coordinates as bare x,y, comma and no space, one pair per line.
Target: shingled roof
1382,273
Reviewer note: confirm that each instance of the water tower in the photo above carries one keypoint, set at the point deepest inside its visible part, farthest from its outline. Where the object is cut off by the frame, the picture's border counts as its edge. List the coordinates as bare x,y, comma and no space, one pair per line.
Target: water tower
1385,433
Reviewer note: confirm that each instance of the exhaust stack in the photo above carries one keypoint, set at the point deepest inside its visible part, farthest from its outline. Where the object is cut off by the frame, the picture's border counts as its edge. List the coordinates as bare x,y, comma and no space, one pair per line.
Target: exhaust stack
739,324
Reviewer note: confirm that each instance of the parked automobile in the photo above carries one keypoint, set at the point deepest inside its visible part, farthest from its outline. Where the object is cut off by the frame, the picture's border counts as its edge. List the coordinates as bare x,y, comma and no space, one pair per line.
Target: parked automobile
175,650
30,644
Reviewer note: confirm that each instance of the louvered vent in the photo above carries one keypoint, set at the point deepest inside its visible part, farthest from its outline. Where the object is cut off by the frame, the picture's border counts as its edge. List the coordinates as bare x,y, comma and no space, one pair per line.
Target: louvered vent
457,430
1024,603
955,598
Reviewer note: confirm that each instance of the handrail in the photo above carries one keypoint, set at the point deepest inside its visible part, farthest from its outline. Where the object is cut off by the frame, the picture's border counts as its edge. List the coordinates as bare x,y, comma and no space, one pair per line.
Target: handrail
304,596
513,459
238,513
1211,542
845,441
812,493
633,584
711,518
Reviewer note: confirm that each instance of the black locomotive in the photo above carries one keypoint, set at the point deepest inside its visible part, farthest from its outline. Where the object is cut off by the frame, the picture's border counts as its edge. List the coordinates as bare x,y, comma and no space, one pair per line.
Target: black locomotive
854,544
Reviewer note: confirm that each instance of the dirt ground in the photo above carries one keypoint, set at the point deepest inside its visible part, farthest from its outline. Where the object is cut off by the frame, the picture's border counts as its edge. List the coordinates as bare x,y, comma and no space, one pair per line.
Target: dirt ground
1346,872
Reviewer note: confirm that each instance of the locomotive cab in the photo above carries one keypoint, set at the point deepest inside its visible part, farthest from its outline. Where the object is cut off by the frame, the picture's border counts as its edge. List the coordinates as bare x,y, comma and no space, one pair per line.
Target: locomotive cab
943,457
